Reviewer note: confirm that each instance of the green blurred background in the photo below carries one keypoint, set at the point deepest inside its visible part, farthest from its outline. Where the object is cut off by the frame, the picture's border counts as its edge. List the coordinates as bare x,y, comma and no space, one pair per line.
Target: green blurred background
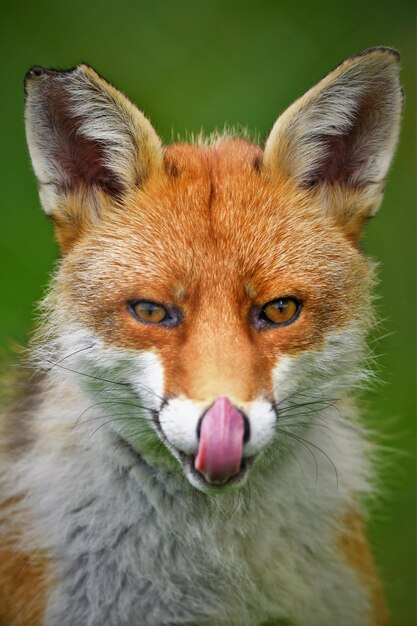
201,64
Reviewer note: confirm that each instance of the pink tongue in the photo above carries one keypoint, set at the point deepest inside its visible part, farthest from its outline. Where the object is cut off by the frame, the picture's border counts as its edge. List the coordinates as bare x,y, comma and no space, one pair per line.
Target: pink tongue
221,442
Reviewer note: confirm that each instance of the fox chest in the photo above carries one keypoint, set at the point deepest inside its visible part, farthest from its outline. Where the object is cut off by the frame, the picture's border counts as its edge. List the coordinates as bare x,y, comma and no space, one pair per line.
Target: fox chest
148,577
126,553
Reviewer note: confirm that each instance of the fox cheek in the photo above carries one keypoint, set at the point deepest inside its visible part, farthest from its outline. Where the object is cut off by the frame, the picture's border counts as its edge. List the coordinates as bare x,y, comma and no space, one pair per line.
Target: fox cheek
147,379
179,420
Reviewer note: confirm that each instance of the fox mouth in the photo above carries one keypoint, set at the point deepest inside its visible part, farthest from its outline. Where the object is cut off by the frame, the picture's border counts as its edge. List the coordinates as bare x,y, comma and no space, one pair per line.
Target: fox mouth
216,460
187,461
198,480
195,477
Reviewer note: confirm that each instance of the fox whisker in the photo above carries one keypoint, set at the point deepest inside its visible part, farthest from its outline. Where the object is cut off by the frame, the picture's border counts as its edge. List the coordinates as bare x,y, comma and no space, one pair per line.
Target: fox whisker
68,356
133,405
307,443
114,418
98,378
133,434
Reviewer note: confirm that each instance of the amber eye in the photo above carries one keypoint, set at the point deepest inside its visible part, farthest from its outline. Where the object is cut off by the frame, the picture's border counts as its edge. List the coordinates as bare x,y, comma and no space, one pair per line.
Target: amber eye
148,312
281,311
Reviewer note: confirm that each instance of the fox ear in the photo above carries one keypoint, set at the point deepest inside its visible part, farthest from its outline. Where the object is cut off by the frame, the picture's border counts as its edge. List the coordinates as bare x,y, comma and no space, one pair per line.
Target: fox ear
85,137
341,135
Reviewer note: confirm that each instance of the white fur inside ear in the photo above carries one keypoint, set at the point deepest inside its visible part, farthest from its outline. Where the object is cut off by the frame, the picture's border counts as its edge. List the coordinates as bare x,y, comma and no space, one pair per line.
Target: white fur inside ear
47,193
107,117
345,129
84,134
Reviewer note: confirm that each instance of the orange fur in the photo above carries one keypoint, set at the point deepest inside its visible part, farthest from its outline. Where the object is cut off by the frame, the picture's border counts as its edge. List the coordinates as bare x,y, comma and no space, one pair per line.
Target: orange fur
23,587
210,201
24,584
354,545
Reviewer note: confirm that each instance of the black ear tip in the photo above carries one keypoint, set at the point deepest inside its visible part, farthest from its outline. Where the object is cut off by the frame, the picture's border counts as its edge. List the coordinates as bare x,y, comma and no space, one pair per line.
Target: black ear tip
391,51
33,71
36,71
381,50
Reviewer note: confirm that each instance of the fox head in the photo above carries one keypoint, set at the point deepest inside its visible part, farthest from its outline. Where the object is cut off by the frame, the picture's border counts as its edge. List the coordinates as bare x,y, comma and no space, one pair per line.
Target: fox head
210,295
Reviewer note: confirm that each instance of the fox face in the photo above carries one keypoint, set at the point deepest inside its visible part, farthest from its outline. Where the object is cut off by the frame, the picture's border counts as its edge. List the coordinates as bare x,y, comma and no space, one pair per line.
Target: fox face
212,298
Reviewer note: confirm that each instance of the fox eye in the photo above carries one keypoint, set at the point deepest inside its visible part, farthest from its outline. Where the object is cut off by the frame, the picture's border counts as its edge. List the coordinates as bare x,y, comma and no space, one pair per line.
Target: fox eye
150,312
280,312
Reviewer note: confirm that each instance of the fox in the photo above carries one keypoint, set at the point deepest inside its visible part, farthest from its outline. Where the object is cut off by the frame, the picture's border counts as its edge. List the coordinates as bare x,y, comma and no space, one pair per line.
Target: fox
185,446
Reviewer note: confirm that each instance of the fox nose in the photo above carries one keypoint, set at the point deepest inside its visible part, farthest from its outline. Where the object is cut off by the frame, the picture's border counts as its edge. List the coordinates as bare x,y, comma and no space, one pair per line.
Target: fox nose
222,432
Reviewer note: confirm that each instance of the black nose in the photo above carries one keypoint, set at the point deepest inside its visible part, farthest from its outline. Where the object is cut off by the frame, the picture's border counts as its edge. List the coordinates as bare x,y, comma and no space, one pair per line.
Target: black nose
246,435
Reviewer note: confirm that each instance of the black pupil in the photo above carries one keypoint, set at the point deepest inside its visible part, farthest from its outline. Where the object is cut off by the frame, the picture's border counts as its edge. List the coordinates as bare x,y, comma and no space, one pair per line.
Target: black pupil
149,309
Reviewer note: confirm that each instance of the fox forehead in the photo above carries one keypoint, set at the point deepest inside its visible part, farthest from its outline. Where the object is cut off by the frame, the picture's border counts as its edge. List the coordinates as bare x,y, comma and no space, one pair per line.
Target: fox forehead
213,236
213,217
